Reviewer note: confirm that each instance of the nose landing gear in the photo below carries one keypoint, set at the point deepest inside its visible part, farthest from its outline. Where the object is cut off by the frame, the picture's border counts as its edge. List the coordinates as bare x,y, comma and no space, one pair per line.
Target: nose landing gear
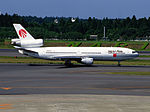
119,63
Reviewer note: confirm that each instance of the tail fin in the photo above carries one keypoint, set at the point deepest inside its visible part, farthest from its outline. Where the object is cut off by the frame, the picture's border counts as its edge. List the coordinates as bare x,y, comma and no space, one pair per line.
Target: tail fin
22,33
25,39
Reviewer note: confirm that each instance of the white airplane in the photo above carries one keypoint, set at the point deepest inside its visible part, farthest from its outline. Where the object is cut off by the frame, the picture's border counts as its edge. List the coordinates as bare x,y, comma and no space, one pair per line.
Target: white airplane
27,45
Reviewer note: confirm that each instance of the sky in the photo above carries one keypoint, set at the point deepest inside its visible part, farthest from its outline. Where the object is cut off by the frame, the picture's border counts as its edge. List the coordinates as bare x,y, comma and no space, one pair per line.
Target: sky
77,8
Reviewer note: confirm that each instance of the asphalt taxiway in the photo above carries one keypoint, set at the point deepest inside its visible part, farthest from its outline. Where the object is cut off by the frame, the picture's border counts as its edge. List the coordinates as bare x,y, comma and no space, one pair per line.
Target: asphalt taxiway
23,79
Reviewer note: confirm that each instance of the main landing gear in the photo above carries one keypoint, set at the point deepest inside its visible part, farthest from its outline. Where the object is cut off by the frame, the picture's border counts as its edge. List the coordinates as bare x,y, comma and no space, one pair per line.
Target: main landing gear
68,63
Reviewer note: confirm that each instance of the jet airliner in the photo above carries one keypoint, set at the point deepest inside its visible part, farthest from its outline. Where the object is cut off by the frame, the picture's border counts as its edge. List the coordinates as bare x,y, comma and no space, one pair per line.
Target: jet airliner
27,45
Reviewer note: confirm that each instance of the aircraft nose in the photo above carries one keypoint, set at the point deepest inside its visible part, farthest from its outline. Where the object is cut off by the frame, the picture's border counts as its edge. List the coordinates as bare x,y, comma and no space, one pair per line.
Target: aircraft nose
136,54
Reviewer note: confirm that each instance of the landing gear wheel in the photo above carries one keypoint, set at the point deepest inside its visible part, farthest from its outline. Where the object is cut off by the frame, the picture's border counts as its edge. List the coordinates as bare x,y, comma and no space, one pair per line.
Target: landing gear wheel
119,63
68,63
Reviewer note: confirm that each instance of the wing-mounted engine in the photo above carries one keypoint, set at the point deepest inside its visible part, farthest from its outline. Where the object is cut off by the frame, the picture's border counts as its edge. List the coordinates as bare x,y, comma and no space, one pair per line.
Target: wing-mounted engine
27,43
87,61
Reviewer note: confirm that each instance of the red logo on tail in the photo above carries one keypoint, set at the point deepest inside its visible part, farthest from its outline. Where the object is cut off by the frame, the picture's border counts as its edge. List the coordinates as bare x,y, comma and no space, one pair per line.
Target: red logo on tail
23,33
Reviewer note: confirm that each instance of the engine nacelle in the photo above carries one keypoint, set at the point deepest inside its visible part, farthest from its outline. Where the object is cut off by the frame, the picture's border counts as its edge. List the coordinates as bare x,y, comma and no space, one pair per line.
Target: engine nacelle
87,61
27,43
13,41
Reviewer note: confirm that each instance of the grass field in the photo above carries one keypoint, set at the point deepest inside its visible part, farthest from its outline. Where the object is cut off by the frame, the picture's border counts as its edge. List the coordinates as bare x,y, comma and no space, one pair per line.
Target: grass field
145,56
30,60
129,73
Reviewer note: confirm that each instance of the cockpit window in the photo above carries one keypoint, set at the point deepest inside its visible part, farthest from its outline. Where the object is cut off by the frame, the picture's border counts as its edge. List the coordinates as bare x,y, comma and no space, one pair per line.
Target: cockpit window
134,52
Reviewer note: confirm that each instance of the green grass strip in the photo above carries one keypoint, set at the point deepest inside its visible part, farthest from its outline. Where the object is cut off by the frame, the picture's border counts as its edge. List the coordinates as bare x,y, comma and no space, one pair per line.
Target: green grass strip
129,73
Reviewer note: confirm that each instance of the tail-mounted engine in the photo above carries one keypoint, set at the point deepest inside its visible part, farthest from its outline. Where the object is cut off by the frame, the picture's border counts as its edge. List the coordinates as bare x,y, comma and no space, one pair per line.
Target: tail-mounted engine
27,43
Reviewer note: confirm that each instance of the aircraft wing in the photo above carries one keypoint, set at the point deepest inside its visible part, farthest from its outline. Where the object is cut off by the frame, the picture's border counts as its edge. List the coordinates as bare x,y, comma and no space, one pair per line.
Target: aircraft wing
68,57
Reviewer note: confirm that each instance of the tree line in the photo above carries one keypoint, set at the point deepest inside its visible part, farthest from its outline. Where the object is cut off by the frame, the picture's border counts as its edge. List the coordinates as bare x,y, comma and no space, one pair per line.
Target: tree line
77,29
